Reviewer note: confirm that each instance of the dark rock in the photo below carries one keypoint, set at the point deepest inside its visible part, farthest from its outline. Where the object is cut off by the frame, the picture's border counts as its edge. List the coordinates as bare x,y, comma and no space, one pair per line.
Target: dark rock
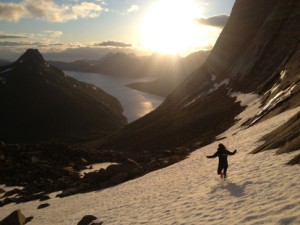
99,176
15,218
295,160
43,206
28,219
118,178
286,137
44,198
70,191
86,220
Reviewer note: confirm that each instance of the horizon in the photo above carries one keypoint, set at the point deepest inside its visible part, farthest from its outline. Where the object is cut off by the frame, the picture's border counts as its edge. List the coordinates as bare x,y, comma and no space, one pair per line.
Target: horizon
71,30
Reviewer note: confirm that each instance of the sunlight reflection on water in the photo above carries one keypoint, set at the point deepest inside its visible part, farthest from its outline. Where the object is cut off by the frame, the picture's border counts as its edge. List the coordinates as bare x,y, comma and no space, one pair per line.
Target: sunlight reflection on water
135,103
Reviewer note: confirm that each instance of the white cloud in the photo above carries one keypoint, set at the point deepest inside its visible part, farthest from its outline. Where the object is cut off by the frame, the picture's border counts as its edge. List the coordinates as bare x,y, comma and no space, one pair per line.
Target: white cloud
11,36
53,33
49,10
12,12
133,8
116,44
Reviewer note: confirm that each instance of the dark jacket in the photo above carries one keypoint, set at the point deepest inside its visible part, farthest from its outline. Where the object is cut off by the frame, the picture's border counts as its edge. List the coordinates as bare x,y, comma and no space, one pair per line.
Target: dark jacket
222,154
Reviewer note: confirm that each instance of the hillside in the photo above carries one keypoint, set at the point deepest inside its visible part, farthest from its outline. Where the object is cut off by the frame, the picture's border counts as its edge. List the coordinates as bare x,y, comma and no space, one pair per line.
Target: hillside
40,103
3,62
257,52
260,189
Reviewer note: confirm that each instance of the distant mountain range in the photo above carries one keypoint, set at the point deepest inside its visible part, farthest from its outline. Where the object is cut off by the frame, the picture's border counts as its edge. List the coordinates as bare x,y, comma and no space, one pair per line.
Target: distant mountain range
257,52
168,70
40,103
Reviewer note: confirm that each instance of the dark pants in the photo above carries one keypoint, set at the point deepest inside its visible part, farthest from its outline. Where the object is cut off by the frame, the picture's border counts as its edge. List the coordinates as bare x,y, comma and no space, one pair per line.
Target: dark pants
222,168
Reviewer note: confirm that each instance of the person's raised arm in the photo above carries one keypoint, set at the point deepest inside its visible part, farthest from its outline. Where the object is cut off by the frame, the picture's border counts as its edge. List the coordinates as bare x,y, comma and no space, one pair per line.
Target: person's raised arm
231,153
212,156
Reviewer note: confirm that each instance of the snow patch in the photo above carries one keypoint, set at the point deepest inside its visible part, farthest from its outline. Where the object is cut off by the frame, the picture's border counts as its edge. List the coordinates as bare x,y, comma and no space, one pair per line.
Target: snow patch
6,70
217,85
279,97
282,74
214,88
260,189
213,77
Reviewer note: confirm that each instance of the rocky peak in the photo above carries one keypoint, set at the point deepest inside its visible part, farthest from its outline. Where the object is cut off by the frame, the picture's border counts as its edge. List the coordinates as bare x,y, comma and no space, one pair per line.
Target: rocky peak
32,57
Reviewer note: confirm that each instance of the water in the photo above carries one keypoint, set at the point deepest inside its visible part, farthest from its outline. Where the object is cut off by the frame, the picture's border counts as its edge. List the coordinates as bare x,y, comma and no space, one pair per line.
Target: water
135,103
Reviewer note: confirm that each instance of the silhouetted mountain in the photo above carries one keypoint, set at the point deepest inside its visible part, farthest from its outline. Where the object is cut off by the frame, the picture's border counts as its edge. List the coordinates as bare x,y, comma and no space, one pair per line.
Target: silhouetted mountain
257,52
119,64
40,103
79,65
169,70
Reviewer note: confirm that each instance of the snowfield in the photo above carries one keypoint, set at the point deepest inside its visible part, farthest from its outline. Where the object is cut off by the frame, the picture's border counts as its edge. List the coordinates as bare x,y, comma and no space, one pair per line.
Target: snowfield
260,189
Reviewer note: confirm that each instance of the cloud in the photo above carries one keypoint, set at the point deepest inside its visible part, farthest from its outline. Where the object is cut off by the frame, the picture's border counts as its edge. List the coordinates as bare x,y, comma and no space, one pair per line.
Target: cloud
214,21
114,44
11,11
49,10
132,8
13,43
11,36
53,33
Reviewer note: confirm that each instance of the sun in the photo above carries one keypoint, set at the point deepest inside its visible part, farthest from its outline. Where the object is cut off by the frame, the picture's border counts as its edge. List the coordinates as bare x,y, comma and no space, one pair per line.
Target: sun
170,27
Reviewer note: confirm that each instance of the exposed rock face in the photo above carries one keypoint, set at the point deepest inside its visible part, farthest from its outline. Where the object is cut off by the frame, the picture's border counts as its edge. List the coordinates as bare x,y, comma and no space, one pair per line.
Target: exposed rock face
40,103
15,218
86,220
258,51
286,139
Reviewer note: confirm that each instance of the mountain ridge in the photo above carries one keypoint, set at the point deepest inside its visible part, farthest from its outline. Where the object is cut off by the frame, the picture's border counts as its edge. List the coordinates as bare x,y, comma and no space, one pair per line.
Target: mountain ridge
41,103
252,54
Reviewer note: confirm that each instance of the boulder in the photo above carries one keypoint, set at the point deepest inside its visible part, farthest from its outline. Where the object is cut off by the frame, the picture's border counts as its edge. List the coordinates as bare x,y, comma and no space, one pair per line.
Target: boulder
118,178
43,206
96,177
86,220
15,218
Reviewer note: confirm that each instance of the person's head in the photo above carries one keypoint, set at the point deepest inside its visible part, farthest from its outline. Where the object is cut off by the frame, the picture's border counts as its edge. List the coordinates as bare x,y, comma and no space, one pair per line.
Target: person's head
221,147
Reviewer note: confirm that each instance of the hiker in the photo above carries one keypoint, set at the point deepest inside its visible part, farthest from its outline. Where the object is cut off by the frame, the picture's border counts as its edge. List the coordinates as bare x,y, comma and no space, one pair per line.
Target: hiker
222,153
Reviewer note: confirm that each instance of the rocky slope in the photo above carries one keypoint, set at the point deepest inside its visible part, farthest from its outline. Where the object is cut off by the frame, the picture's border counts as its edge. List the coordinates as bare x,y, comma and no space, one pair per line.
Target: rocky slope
257,52
40,103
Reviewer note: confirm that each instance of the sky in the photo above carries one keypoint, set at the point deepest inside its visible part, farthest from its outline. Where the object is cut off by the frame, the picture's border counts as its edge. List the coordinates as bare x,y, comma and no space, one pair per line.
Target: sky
74,29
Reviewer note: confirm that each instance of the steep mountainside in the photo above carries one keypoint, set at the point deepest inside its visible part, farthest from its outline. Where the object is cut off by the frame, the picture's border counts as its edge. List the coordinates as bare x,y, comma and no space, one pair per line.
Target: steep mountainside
257,52
40,103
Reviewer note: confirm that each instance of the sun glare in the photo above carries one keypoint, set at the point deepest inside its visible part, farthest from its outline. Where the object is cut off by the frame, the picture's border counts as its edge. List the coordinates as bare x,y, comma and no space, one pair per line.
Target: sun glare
170,27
